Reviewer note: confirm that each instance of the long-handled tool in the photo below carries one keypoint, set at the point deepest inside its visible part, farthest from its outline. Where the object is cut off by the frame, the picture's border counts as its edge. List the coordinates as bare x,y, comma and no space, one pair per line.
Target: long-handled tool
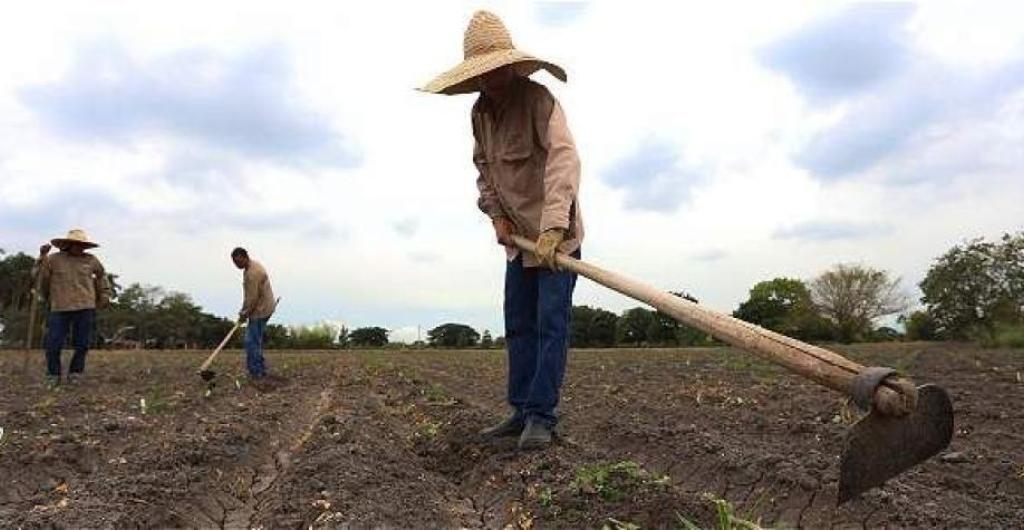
32,307
906,425
204,369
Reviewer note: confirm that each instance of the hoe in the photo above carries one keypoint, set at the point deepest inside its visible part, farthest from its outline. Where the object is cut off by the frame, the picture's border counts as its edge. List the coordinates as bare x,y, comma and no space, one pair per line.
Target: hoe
204,370
905,426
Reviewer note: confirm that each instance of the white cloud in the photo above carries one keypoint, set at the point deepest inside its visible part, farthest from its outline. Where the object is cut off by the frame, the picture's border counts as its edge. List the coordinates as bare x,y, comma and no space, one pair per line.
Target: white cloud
396,239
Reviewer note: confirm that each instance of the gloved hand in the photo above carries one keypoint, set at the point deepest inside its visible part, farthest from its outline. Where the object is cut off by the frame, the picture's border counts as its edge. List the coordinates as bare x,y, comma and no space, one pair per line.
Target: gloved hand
547,246
504,229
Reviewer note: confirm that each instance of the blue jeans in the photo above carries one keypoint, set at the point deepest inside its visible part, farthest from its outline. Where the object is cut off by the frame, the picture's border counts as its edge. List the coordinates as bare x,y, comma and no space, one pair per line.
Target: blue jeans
58,323
538,306
254,347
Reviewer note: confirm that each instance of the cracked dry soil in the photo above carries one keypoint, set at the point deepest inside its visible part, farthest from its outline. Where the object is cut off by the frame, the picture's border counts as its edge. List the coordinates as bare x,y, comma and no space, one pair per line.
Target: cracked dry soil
385,439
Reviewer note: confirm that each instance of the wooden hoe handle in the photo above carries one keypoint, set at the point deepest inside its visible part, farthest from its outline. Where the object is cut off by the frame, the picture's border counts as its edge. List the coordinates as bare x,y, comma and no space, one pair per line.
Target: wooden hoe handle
209,360
895,396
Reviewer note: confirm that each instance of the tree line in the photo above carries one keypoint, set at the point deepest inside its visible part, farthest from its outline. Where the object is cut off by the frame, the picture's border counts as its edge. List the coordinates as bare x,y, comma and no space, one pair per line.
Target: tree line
974,291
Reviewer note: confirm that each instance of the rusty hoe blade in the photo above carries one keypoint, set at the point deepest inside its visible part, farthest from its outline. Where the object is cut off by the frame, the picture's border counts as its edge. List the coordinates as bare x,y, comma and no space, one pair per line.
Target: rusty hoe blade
207,375
880,447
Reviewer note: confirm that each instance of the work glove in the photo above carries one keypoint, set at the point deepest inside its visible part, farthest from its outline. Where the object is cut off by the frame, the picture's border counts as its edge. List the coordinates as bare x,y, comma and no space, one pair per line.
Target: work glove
547,246
504,229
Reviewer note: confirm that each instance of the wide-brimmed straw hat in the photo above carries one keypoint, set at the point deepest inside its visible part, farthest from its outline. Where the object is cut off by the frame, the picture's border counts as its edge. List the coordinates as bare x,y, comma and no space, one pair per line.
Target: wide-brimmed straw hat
75,236
487,46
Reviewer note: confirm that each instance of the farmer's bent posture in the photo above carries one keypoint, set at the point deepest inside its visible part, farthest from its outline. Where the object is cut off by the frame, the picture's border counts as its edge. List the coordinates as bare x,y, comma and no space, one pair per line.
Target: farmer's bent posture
528,181
75,284
257,307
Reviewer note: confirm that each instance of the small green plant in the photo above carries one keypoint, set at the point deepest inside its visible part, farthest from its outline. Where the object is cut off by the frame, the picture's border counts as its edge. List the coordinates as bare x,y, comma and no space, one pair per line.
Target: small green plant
427,429
545,496
615,524
609,481
685,524
438,395
725,519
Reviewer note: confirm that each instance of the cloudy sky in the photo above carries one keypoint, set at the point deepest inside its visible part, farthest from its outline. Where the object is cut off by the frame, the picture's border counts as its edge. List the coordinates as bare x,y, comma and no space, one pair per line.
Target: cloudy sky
722,144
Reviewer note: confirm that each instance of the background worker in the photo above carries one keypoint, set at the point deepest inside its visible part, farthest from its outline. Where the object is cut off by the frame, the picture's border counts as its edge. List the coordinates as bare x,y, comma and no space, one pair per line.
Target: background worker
75,284
258,305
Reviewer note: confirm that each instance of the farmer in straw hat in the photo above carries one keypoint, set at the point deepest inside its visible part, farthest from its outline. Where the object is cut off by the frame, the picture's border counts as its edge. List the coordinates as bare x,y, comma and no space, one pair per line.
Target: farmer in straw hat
75,284
528,181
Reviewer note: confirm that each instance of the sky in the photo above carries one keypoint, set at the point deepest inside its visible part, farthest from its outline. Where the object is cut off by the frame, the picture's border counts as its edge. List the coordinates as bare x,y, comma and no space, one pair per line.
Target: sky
722,144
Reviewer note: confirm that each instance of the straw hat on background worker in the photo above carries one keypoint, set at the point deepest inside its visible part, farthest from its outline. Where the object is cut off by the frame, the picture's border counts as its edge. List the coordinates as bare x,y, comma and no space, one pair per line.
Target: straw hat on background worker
76,236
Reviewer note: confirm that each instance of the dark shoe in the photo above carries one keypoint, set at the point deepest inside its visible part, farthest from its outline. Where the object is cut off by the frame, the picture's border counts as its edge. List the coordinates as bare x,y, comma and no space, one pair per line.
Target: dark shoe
508,428
536,435
74,379
52,382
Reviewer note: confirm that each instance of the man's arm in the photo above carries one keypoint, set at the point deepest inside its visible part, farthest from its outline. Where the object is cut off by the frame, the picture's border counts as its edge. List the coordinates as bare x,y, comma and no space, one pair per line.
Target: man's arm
102,285
562,170
251,290
42,271
561,176
488,201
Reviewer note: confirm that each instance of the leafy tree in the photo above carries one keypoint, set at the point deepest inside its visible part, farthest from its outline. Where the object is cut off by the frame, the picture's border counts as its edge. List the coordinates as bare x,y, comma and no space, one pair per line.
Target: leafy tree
15,298
592,327
316,337
851,297
663,330
276,337
633,326
486,341
15,280
670,332
343,337
135,307
885,334
976,286
178,319
920,325
369,337
453,335
783,305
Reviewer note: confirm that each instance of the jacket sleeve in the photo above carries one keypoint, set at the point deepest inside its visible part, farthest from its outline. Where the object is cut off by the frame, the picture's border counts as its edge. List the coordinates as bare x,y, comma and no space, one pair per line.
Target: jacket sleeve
102,285
562,170
488,201
250,289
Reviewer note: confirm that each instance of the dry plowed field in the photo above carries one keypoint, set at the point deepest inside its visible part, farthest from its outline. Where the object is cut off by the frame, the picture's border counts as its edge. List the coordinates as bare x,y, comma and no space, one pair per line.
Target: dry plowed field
653,438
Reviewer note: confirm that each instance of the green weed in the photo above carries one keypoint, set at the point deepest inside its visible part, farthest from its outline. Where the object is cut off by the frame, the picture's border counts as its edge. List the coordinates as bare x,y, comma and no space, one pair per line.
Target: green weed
611,481
725,517
545,497
427,429
615,524
438,395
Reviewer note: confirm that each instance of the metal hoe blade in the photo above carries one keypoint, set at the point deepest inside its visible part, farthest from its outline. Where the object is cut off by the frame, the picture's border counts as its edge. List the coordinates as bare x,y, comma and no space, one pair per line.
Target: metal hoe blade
880,447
